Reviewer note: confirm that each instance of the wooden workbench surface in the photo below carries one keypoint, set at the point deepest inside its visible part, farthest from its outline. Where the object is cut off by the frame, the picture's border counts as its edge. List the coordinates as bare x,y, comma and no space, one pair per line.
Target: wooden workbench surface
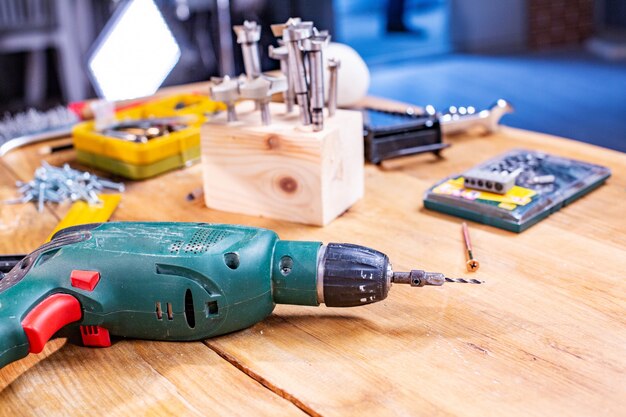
545,334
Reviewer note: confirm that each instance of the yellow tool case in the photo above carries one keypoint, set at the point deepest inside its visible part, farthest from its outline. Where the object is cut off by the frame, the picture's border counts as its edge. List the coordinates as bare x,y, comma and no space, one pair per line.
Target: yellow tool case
143,160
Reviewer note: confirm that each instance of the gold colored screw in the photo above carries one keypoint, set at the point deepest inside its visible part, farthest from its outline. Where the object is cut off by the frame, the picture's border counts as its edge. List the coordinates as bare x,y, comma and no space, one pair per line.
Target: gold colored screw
471,264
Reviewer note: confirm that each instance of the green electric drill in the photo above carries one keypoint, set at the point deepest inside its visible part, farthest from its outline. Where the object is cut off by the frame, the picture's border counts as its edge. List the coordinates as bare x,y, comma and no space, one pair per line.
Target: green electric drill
178,281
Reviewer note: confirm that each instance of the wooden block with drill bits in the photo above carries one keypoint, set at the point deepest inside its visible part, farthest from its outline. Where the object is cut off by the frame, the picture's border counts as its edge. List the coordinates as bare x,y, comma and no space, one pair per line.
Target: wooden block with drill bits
301,160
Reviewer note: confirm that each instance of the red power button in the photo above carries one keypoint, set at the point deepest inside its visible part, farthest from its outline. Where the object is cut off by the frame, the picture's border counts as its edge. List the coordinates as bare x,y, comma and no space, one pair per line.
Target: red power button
48,317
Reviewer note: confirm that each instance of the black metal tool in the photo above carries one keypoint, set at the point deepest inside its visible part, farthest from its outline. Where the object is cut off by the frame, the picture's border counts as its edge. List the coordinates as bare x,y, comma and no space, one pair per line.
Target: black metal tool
394,134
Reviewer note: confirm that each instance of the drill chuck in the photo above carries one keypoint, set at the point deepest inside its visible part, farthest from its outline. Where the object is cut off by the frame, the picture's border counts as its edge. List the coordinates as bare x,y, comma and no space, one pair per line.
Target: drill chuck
352,275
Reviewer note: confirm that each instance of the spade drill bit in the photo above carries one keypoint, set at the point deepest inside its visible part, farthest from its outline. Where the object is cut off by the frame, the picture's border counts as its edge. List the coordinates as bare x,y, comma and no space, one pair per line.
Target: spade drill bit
313,47
292,32
248,36
333,68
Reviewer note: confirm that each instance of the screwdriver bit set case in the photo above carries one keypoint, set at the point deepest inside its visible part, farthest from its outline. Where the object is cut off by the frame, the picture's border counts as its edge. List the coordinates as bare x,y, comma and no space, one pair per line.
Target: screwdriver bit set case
395,134
542,185
297,161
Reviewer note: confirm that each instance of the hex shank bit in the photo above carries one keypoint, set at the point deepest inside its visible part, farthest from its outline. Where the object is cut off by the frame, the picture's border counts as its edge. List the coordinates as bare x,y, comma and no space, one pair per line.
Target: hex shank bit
282,54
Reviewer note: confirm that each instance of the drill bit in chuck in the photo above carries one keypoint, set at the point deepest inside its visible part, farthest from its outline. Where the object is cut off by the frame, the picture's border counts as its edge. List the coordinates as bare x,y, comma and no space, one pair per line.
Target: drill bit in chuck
419,278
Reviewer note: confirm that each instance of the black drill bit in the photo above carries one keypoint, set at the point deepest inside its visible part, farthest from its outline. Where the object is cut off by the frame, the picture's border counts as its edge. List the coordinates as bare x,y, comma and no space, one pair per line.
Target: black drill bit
464,281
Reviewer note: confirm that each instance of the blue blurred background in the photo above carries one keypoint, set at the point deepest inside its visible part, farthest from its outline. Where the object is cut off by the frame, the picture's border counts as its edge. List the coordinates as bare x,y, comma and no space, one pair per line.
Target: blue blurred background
562,63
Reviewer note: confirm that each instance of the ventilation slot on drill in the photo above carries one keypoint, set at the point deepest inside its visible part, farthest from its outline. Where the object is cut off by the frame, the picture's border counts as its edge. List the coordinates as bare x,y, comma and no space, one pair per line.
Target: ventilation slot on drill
175,247
211,308
159,312
189,313
170,312
203,239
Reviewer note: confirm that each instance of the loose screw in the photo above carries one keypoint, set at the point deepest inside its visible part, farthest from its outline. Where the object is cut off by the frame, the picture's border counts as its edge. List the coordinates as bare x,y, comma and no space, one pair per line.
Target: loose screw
471,264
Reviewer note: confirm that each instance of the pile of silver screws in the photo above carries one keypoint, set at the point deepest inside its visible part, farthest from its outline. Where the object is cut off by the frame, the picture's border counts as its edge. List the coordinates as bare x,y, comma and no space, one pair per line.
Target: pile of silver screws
56,185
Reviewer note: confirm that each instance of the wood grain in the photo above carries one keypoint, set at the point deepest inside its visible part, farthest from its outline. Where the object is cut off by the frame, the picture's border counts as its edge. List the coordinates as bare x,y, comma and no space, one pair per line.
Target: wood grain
133,378
544,335
283,171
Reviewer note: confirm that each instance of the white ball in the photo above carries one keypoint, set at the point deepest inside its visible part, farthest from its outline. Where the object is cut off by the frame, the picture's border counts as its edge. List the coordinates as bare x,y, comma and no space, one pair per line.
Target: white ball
353,77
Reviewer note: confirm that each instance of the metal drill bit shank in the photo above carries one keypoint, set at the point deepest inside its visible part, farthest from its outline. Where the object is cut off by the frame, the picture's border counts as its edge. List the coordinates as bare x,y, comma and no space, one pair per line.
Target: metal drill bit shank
419,278
313,46
294,31
333,68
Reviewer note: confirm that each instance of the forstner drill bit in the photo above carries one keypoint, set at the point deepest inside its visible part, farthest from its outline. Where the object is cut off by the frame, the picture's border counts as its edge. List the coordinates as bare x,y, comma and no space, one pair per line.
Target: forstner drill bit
281,54
464,280
226,90
293,32
261,90
248,36
313,46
